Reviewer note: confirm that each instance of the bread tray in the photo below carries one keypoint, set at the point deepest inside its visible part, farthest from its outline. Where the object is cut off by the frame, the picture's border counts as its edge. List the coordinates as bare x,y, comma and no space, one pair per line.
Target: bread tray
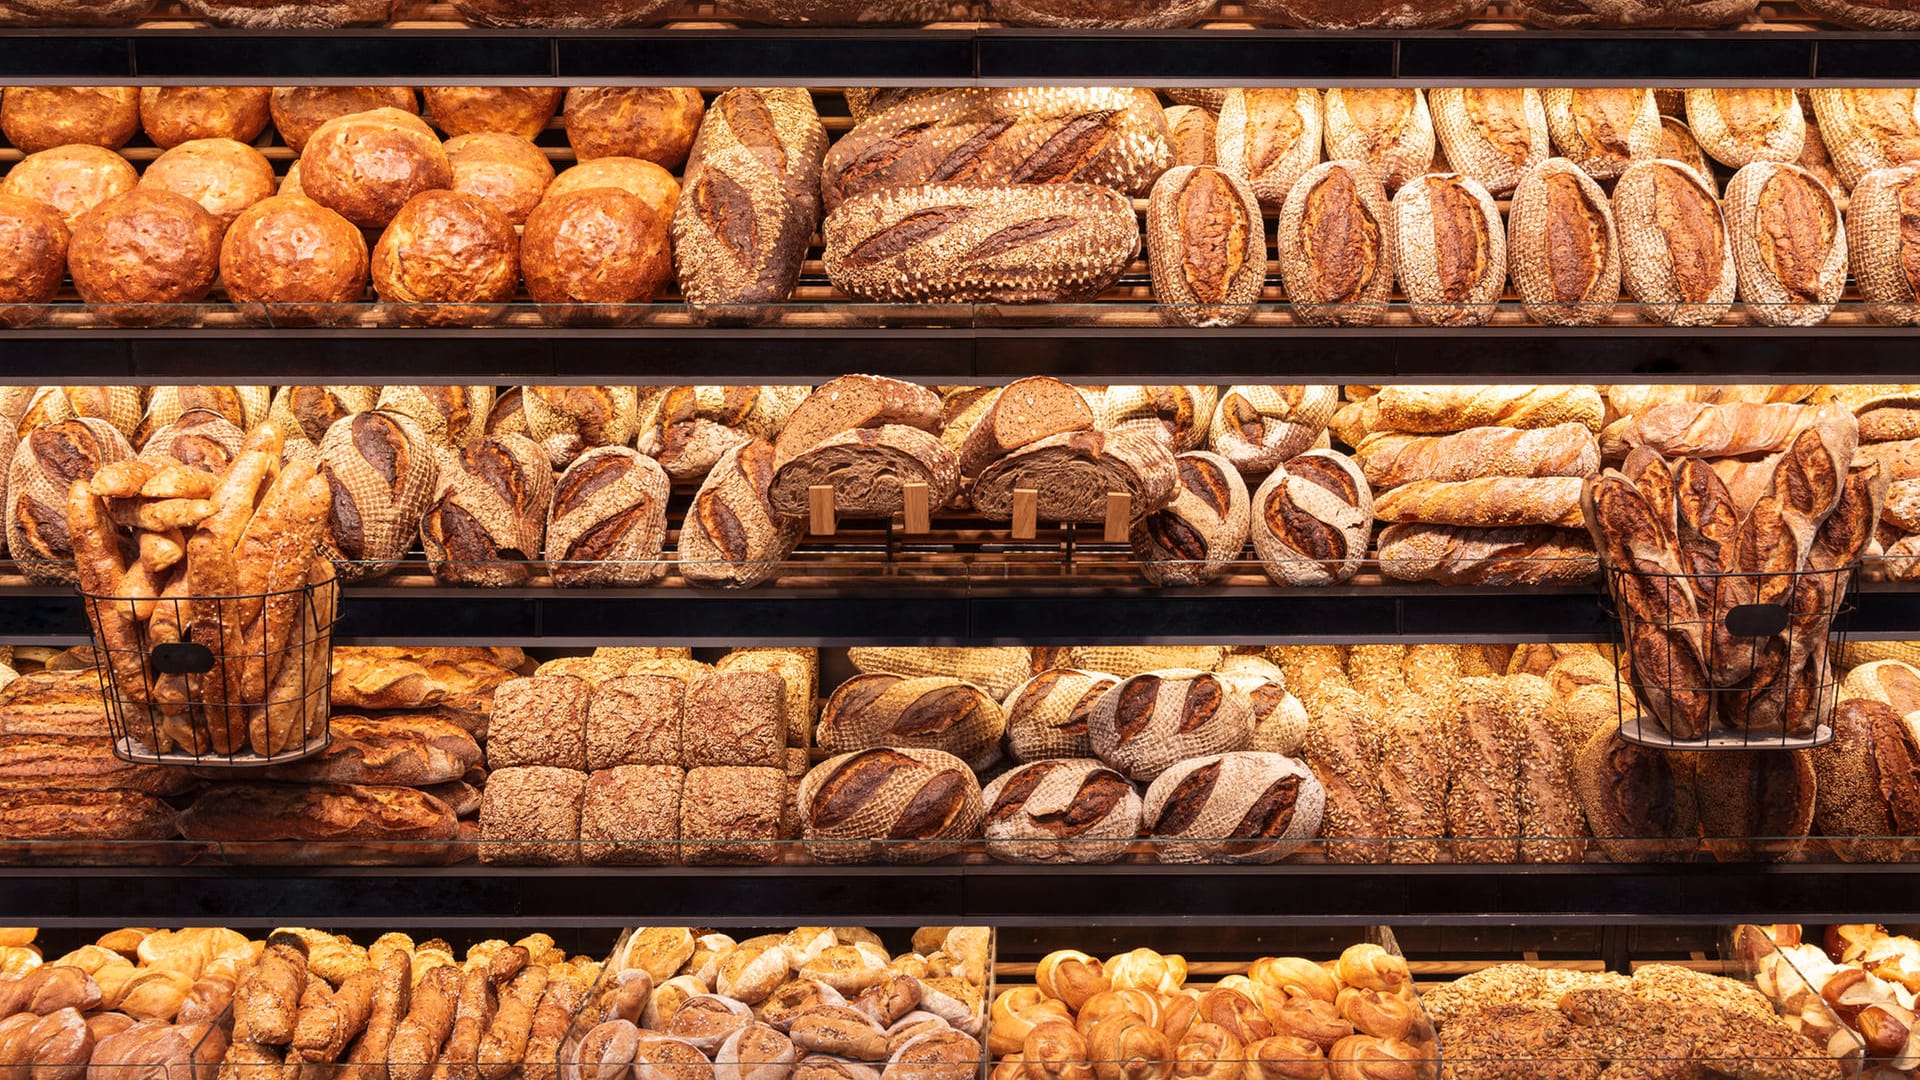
128,750
1649,734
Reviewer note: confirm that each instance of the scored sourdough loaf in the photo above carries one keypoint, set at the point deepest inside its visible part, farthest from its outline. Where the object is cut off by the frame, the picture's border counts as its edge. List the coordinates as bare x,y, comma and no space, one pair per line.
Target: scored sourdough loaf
1194,538
1885,249
485,524
451,416
1756,807
1450,249
1789,244
1678,144
1150,722
1336,241
1311,519
1101,14
731,537
382,472
310,411
1603,130
995,670
1676,254
1047,715
932,713
1192,132
1073,474
45,466
869,470
1626,14
1113,137
1638,809
887,805
1389,128
1177,415
1497,135
1258,428
1563,247
1738,126
963,243
1485,502
1389,459
741,229
1868,128
1367,14
1242,807
59,826
1449,555
1024,413
1270,137
1070,810
1206,247
1864,789
687,428
608,521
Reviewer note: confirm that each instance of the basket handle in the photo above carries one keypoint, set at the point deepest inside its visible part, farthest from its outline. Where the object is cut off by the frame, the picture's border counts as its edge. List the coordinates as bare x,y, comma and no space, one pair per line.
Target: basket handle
1757,620
181,658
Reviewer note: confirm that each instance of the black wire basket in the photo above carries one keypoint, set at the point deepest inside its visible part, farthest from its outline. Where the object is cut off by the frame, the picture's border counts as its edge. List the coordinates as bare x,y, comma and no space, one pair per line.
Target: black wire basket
1729,661
217,681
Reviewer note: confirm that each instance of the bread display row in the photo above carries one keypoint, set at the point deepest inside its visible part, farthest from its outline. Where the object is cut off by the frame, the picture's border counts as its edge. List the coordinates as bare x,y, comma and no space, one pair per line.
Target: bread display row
1352,207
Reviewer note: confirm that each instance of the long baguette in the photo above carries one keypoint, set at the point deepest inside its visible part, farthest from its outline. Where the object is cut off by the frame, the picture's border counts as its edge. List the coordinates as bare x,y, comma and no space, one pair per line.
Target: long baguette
1390,459
1488,502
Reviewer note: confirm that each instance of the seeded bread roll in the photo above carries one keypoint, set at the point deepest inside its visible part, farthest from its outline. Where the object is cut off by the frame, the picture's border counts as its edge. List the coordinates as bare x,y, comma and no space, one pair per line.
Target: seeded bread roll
1101,14
300,262
1867,128
1603,130
1336,246
447,259
1885,254
608,521
365,166
732,538
1450,249
1073,810
1194,538
33,259
1074,473
1192,132
1676,255
1243,807
298,111
1389,128
1258,428
451,416
503,169
1367,14
145,258
1311,519
1343,749
45,465
869,470
1867,14
1150,722
531,816
1177,415
1497,135
1269,138
887,805
1638,809
1738,126
70,179
1047,715
1623,14
486,522
932,713
1206,246
963,243
1563,247
382,471
1789,244
631,814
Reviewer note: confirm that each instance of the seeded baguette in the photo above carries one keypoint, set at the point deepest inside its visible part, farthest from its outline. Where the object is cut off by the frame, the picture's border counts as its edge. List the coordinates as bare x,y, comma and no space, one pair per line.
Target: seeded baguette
1450,249
1676,254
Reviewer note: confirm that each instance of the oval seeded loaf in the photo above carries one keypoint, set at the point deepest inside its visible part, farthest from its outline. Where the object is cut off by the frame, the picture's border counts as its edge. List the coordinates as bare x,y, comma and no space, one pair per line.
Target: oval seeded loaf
1336,246
1270,137
932,713
1311,520
1047,715
1258,428
1390,128
1204,528
1153,721
1676,254
1739,125
888,805
1072,810
1563,249
1073,474
1497,135
608,521
1450,249
1206,247
1603,129
1245,807
1789,244
995,670
1885,249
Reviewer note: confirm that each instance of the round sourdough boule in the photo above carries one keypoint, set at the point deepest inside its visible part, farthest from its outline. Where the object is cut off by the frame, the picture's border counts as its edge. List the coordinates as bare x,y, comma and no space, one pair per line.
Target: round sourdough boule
367,165
223,176
1240,807
1885,248
300,260
505,170
1074,810
1451,249
37,118
1154,720
562,14
1311,519
298,111
448,259
512,110
654,185
1335,241
145,258
1675,253
33,259
1195,538
654,123
594,256
71,179
172,115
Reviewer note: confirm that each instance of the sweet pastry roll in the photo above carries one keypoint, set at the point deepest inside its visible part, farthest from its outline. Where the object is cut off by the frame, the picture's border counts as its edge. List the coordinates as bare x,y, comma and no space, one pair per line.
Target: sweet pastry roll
1145,969
1072,977
1286,1057
1234,1013
1293,976
1018,1011
1208,1052
1054,1050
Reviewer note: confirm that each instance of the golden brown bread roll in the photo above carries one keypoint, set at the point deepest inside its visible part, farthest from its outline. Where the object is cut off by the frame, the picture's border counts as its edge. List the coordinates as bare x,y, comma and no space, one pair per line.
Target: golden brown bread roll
511,110
172,115
37,118
33,259
301,260
654,123
449,259
654,185
366,166
71,179
504,170
298,111
595,256
223,176
145,258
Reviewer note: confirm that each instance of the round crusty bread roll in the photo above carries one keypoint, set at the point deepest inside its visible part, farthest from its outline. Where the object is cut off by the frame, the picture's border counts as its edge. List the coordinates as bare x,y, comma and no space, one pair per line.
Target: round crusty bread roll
33,259
37,118
594,256
172,115
367,165
304,262
293,14
1072,810
1151,721
223,176
1244,807
145,258
654,185
298,111
71,179
449,259
511,110
505,170
654,123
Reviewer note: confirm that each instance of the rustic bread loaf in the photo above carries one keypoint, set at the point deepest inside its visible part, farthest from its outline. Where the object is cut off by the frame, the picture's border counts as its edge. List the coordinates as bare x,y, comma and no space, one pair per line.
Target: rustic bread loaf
1197,535
365,166
1865,128
1450,249
1552,826
1074,473
1624,14
1101,14
539,720
1336,246
1483,791
652,123
652,184
121,406
1497,135
87,827
1311,519
245,407
300,262
731,537
631,814
222,175
1638,809
293,14
995,670
1603,130
447,259
70,179
146,257
1072,810
1486,502
1789,244
298,111
932,713
1756,807
1258,428
1150,722
376,678
33,259
799,670
735,718
382,471
569,420
509,110
1864,782
50,13
486,522
1867,14
869,470
1738,126
1177,415
201,438
341,824
888,805
687,428
1678,144
608,522
1193,132
562,14
1025,412
1047,715
83,762
855,401
1563,246
1449,555
530,816
1367,14
1676,255
1714,430
501,168
451,416
1113,137
1269,138
45,465
1206,247
403,751
636,720
751,203
1244,807
1343,750
962,243
1389,460
1885,252
1389,128
1414,768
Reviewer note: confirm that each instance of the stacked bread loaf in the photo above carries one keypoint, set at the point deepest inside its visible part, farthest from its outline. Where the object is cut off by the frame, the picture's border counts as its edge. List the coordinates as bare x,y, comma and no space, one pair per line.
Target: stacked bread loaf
1888,435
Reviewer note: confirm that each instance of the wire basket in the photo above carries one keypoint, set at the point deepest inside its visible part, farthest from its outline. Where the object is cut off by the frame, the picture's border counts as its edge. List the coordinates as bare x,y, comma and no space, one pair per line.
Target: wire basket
1729,661
217,681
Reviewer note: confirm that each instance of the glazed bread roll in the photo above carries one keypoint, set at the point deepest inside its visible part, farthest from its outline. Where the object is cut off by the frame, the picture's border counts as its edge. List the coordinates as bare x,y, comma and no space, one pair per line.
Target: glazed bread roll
923,802
223,176
1073,474
1311,518
1269,138
1563,247
1047,715
1389,128
447,260
732,538
595,257
1366,14
1192,132
1244,807
953,243
653,185
1194,538
451,416
1451,249
1348,282
382,471
1864,129
1884,256
1101,15
70,179
145,258
1603,130
1789,244
505,170
1390,460
301,262
1621,14
171,115
1176,415
33,259
1024,413
45,465
298,111
1497,135
562,14
294,14
1206,246
509,110
37,118
1676,255
1259,428
1150,722
366,166
486,522
1738,126
653,123
756,162
933,713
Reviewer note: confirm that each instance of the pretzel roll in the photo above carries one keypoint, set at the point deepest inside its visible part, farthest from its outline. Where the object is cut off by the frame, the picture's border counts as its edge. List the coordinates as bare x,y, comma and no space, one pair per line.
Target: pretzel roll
223,176
1336,241
608,523
447,260
37,118
298,111
1074,810
1602,129
172,115
1206,247
1311,520
504,170
451,416
145,258
1497,135
889,805
1389,128
45,465
1149,722
1885,249
929,713
1451,249
70,179
33,259
1269,138
1244,807
1789,244
1562,246
1258,428
301,263
1194,538
568,420
367,166
1738,126
1676,255
653,123
509,110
